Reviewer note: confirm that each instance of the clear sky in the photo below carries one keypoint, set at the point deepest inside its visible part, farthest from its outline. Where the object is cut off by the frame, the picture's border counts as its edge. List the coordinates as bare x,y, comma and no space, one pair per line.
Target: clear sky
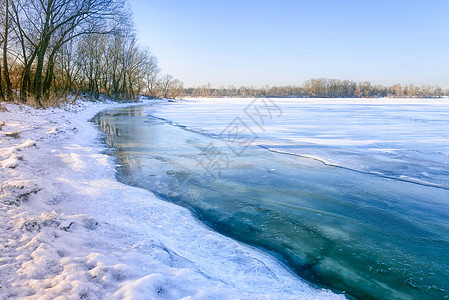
282,42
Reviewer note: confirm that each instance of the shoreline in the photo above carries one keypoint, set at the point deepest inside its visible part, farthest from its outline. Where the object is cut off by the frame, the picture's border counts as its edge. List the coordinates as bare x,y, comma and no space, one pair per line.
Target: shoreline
70,229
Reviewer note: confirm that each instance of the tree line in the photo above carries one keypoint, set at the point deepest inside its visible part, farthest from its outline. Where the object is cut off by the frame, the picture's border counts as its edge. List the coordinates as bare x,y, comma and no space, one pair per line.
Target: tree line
323,88
51,49
54,49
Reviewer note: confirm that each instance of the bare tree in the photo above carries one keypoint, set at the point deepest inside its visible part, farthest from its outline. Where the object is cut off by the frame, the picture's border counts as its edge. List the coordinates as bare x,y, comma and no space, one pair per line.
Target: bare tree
44,26
6,29
151,76
165,82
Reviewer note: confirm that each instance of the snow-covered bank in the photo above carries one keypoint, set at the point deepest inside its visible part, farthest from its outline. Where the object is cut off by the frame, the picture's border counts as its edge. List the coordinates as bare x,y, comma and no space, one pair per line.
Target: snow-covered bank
68,229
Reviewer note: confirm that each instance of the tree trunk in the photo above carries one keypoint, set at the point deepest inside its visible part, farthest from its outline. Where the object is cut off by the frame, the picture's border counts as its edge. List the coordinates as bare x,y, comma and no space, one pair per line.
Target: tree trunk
9,94
42,48
25,88
49,76
2,95
37,86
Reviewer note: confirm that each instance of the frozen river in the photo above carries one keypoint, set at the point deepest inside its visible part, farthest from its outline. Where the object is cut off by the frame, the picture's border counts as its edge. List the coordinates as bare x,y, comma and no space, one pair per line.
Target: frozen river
352,195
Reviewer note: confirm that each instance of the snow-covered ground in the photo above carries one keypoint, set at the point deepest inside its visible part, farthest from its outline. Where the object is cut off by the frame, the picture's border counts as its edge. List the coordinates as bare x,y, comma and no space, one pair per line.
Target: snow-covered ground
69,230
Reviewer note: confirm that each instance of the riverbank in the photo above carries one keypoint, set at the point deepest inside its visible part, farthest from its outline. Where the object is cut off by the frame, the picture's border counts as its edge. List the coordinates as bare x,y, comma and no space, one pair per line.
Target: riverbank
68,229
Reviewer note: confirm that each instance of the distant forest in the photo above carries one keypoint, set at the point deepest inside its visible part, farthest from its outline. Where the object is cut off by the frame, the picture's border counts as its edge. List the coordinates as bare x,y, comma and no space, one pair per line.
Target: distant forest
323,88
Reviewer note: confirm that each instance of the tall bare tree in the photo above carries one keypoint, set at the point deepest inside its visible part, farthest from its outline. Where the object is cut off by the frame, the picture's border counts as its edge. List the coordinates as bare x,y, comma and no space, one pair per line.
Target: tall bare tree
6,29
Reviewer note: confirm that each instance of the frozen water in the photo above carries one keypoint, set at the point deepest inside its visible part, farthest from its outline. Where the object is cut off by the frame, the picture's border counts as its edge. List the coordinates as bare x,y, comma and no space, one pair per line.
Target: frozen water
364,227
401,138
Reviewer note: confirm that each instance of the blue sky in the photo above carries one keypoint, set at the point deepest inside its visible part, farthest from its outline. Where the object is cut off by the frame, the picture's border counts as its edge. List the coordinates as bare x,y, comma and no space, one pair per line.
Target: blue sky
287,42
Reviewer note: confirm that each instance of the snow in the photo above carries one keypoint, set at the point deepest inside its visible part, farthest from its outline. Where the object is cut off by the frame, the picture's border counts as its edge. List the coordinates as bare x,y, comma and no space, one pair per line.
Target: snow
69,230
405,139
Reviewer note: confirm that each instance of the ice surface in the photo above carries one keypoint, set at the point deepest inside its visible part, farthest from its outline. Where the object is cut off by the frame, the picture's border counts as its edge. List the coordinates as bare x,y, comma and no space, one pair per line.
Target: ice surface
399,138
362,233
69,230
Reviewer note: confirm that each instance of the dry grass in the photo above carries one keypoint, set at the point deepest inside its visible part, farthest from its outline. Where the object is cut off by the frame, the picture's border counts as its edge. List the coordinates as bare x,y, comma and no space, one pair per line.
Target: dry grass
54,100
15,134
32,102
